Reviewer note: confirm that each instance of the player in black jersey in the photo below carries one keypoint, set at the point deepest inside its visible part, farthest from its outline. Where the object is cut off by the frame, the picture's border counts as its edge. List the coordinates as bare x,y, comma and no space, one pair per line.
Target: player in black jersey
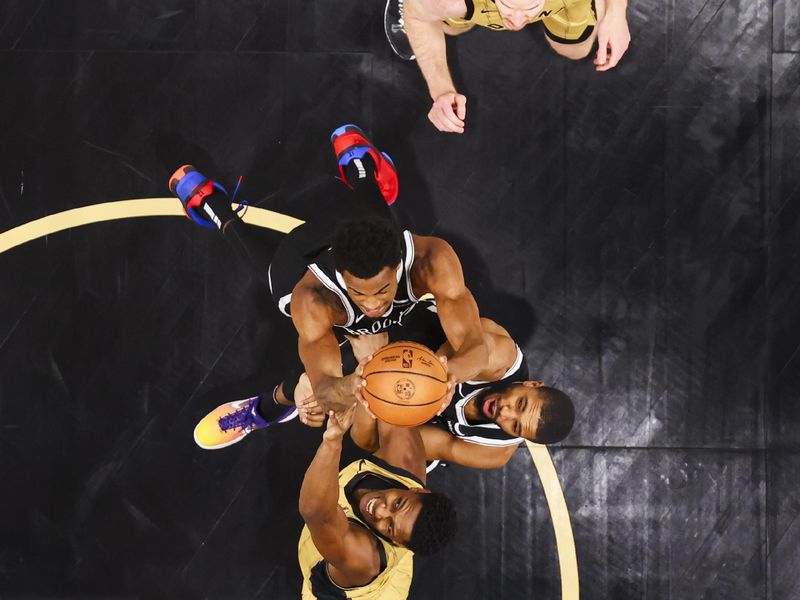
489,416
366,280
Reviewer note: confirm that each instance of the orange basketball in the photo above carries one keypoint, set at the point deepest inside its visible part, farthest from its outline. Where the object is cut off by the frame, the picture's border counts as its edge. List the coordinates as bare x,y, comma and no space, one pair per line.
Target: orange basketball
406,384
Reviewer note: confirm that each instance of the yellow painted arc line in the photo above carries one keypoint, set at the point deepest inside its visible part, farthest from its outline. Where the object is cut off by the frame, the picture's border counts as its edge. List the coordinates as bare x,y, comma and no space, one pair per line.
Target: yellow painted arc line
559,515
126,209
168,207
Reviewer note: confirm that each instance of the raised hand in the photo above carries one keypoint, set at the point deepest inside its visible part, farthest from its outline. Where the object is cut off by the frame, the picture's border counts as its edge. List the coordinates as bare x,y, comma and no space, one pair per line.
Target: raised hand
338,424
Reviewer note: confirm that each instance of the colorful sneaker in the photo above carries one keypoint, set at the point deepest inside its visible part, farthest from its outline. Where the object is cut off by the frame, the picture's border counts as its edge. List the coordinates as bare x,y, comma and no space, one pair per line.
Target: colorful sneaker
192,187
395,28
229,423
350,143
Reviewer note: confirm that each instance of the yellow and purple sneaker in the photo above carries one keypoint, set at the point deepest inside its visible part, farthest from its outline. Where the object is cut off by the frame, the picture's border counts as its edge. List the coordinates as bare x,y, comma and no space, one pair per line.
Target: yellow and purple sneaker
231,422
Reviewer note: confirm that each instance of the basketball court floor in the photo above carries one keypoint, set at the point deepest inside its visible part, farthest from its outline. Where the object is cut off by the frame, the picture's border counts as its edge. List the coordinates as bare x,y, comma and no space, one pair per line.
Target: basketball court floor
636,231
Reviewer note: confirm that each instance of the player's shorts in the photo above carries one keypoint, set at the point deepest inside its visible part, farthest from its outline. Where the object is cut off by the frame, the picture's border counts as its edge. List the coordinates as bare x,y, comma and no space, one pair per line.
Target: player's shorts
565,21
291,259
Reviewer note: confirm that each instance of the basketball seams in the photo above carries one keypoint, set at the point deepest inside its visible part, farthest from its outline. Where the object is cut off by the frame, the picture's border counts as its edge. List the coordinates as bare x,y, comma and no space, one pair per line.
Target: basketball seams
402,372
402,404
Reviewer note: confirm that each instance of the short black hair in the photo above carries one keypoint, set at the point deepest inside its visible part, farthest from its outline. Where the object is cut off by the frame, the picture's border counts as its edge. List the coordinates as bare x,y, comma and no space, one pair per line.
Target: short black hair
557,417
365,246
436,525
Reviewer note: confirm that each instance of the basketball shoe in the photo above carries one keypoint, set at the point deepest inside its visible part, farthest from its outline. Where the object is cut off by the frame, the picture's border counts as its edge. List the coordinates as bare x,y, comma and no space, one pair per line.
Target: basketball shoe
195,191
351,144
231,422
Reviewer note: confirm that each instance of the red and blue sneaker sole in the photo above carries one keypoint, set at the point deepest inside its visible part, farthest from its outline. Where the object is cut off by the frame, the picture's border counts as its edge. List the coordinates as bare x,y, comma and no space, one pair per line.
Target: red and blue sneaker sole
192,187
350,142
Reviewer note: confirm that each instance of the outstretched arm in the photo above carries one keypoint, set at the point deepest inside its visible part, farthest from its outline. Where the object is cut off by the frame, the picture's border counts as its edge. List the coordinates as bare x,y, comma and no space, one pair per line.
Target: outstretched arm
319,351
439,273
441,445
401,447
364,431
354,558
423,24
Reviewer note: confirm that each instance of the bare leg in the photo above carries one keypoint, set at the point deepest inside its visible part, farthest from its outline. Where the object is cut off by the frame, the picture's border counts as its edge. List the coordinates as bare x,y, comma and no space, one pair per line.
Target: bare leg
582,50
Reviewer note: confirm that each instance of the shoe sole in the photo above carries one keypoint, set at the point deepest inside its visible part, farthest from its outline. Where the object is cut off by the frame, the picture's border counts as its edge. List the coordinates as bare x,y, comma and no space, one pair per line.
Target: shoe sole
218,446
179,174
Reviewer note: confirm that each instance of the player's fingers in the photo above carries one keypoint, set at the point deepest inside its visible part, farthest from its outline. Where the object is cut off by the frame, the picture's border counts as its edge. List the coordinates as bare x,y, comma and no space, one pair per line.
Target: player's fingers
446,107
308,402
610,62
454,124
461,106
617,50
365,406
602,49
437,118
313,419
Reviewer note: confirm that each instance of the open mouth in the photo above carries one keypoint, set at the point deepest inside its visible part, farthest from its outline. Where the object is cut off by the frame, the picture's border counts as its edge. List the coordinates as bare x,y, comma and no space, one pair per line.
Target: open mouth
489,407
371,506
368,505
372,314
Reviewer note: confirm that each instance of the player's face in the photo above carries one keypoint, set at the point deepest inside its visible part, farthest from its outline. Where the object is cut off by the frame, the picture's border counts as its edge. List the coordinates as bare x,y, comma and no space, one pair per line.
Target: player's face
392,512
516,410
374,295
517,13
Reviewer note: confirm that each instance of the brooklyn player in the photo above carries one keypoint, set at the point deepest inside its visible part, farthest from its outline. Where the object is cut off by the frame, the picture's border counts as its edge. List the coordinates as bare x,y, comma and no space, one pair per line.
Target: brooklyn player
365,522
488,417
368,279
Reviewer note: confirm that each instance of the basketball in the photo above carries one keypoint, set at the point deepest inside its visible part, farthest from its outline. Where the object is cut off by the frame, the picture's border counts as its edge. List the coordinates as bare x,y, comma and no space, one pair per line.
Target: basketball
405,384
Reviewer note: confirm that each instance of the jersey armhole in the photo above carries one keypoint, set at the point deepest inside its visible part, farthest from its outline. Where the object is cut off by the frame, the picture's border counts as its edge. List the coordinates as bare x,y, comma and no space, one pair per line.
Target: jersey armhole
381,555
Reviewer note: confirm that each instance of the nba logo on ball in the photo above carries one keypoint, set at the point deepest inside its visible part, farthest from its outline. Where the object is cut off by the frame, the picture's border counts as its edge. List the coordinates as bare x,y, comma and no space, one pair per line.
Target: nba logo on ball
408,356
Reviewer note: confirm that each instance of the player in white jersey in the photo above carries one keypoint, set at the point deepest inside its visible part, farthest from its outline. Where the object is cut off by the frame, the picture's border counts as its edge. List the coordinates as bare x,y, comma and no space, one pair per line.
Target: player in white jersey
355,274
489,416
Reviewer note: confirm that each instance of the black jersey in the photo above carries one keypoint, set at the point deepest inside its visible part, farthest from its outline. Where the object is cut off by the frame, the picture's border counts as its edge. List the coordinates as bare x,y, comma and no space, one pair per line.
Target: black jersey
357,322
486,434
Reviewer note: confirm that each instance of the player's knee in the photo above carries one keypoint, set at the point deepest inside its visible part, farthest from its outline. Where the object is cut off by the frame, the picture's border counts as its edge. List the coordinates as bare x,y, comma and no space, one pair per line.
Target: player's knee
572,52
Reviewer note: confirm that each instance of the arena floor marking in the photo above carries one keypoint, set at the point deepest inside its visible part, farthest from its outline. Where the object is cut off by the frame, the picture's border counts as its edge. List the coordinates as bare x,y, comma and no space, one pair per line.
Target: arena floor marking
559,515
168,207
